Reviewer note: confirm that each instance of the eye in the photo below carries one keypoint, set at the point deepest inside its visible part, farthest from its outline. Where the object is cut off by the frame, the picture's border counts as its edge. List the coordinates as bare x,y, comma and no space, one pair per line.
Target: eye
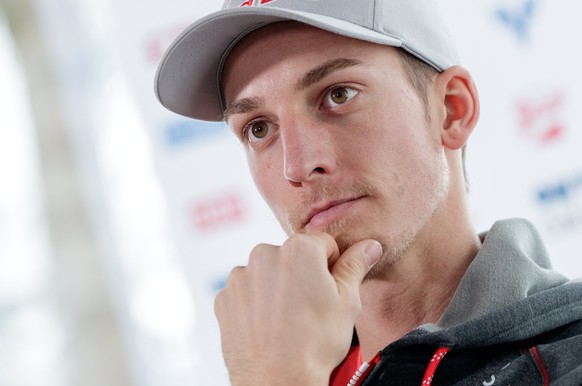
338,96
258,130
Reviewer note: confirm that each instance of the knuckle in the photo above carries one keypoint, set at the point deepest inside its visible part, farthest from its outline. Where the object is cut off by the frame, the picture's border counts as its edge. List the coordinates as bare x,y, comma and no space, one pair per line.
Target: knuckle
258,250
236,272
354,266
218,302
233,278
233,283
296,245
296,240
301,246
259,253
221,301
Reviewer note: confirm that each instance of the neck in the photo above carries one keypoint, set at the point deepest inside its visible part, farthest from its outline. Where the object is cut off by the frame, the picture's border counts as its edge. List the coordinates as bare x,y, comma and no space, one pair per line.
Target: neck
393,304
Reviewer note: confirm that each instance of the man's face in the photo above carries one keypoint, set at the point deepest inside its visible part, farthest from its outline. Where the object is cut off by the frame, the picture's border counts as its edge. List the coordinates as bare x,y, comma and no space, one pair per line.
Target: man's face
336,138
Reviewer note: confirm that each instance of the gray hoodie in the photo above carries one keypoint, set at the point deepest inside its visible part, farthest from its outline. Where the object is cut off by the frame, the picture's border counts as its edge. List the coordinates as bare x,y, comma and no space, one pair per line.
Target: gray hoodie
511,322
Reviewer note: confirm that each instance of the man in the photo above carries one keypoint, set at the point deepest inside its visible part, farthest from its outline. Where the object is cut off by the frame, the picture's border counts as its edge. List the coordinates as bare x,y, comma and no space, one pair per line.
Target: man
354,116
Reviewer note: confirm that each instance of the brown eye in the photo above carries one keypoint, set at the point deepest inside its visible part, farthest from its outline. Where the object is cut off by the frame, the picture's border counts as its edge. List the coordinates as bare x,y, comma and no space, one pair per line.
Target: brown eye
339,95
259,130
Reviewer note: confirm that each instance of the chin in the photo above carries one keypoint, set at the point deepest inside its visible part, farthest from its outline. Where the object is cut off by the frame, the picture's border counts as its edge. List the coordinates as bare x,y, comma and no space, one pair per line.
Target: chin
346,233
394,248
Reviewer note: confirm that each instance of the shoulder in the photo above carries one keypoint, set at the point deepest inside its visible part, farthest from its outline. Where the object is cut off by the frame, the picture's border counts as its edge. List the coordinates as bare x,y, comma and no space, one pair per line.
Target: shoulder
559,353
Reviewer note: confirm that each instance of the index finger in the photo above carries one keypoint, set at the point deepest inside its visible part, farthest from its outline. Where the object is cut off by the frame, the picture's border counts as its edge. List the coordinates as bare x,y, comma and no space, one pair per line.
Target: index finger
332,249
299,245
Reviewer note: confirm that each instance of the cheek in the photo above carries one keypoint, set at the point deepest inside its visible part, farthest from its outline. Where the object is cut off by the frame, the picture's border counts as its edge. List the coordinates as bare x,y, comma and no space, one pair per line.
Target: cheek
267,176
260,171
407,130
401,151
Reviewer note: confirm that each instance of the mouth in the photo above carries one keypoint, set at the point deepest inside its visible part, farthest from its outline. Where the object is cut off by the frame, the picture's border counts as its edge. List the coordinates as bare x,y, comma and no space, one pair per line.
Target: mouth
322,215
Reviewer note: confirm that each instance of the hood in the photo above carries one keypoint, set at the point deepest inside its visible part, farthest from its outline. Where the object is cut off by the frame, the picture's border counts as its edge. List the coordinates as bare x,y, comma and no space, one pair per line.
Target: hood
508,294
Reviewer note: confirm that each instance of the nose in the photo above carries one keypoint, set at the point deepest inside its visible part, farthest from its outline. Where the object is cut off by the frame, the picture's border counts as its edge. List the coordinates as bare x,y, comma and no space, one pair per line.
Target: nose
308,150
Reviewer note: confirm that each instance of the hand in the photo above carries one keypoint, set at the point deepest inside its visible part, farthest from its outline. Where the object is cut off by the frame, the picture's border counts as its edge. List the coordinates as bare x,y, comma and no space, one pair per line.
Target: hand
288,317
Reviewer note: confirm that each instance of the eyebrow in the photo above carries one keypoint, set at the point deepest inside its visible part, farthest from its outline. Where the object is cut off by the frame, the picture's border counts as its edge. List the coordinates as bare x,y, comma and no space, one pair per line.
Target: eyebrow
313,76
320,72
241,106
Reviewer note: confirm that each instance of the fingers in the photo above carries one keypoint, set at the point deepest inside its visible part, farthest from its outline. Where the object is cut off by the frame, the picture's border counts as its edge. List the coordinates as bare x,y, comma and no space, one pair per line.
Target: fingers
288,305
308,246
284,307
313,252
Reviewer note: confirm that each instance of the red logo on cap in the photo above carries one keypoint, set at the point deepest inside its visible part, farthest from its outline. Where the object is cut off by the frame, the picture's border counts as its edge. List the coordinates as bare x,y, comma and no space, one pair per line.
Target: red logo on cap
250,3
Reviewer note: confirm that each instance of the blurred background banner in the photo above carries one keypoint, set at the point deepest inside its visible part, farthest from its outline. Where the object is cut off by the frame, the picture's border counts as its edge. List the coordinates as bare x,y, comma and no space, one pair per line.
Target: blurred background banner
120,221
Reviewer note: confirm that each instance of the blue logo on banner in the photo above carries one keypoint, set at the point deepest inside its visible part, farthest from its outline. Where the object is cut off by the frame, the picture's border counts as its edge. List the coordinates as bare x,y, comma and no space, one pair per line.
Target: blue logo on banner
561,205
562,191
189,130
518,20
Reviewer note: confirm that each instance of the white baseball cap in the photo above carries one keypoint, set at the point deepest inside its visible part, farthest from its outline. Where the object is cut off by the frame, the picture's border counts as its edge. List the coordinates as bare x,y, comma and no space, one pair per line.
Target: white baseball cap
188,80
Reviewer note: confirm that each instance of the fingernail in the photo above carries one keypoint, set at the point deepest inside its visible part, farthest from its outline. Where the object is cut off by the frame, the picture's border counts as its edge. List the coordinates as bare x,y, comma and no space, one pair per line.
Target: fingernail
373,252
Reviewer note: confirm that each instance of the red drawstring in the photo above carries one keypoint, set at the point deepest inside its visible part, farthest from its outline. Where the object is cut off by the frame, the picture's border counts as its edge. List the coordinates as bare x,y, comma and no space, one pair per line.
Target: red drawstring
432,366
364,370
367,367
536,354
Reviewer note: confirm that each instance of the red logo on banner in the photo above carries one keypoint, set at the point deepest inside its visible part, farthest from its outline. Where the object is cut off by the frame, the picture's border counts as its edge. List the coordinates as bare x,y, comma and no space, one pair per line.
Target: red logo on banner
542,120
218,211
250,3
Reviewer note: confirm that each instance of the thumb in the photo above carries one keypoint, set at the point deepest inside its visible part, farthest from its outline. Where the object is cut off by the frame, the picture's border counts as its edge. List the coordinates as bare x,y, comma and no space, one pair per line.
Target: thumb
352,266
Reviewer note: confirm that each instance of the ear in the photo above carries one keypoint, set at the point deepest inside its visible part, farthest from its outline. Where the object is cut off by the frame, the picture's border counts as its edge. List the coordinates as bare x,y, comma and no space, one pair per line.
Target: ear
458,93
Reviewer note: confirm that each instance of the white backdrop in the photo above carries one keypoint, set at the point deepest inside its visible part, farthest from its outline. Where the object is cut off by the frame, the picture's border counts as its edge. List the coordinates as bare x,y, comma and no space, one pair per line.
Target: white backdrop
523,159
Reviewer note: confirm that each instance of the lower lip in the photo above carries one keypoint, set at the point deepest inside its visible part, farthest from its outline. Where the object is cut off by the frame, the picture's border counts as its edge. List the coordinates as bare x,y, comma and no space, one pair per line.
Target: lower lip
330,215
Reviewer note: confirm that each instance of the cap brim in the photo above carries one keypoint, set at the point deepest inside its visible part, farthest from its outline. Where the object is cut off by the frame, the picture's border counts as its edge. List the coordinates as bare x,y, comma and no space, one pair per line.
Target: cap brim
188,77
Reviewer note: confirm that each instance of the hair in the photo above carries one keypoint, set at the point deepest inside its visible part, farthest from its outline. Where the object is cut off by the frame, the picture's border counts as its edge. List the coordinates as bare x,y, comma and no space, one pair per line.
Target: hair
420,75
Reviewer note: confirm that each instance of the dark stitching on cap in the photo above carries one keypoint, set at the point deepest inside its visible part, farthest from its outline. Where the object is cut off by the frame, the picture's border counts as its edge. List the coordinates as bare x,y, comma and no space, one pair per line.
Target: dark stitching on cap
421,57
225,54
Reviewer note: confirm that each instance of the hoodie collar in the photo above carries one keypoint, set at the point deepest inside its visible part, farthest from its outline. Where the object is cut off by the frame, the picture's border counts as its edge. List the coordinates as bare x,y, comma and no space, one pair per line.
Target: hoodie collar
511,265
